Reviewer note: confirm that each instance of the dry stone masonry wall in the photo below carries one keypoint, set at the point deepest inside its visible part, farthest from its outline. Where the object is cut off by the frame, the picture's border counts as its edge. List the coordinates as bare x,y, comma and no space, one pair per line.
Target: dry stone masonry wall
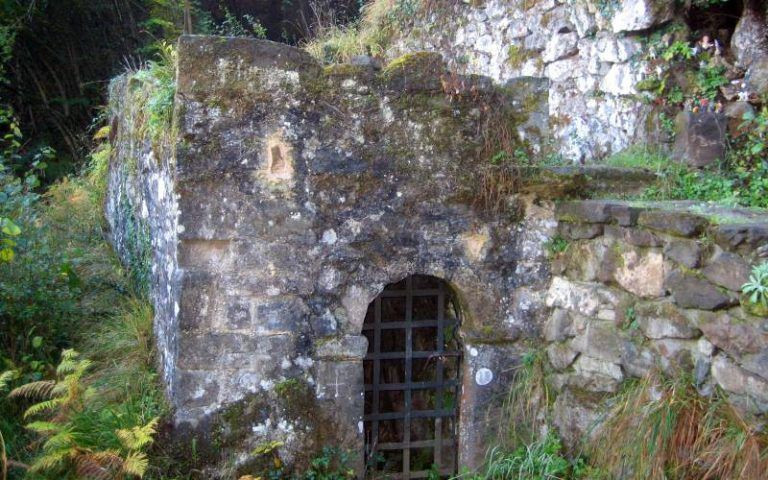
654,286
587,52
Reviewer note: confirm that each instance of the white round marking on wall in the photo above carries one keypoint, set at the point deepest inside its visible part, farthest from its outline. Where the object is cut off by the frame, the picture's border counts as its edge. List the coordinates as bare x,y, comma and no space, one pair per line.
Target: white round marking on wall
473,351
484,376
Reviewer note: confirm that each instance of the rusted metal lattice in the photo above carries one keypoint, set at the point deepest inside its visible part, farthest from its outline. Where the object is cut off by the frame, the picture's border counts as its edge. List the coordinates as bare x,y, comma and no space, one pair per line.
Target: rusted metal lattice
412,383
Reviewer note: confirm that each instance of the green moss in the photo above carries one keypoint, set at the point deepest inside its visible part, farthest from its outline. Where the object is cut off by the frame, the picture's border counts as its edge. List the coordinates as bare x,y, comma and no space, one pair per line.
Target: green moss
517,56
411,61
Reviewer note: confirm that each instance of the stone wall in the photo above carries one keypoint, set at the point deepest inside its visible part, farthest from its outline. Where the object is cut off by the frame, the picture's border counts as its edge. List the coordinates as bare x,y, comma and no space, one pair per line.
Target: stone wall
287,196
588,52
142,211
645,287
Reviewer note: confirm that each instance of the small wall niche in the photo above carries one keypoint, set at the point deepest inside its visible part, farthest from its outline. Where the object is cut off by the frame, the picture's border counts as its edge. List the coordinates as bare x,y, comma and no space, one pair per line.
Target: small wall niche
279,157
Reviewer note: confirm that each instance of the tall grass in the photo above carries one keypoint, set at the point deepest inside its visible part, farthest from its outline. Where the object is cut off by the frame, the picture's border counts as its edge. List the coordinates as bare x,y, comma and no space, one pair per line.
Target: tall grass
662,428
379,22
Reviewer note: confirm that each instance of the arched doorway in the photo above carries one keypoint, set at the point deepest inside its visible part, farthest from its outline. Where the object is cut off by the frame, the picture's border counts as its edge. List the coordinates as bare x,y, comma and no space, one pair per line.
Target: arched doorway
412,380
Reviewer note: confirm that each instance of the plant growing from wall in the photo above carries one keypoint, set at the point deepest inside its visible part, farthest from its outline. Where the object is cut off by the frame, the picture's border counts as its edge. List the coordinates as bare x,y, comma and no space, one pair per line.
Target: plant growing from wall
756,288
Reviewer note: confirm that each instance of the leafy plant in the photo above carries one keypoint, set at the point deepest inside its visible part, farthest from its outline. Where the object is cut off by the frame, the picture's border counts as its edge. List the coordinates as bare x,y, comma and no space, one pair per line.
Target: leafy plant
556,245
677,50
709,79
64,404
757,285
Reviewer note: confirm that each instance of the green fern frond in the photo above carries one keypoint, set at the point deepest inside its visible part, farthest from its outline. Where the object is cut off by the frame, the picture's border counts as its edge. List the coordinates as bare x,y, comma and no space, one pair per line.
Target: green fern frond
7,377
51,461
68,362
40,389
137,438
44,427
42,407
135,463
61,440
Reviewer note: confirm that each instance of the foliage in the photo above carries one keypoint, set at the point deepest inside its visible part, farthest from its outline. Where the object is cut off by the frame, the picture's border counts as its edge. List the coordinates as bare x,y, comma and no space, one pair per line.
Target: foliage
540,460
662,428
757,285
332,464
737,182
232,26
155,101
527,402
709,79
70,445
66,287
370,35
556,245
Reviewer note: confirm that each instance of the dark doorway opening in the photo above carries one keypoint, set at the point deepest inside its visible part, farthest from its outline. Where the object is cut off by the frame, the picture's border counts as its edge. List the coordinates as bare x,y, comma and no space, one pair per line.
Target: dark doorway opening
412,380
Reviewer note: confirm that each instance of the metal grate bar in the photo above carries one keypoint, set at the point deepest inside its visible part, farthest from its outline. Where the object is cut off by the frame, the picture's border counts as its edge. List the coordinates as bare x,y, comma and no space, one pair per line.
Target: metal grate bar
402,325
433,382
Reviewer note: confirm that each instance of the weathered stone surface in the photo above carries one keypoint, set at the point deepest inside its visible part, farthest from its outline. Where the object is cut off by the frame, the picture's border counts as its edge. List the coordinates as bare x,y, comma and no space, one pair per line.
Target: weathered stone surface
727,270
595,375
576,416
700,138
586,299
734,112
741,237
685,252
675,356
675,223
642,273
690,291
634,15
580,231
561,355
734,379
633,236
664,320
748,40
600,340
757,76
732,334
559,326
588,211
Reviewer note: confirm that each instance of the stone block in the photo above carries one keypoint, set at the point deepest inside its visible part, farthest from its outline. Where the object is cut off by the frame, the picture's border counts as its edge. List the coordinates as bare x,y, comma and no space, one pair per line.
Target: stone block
675,356
642,273
580,231
727,270
595,375
280,315
576,416
743,238
559,326
636,15
586,211
690,291
685,252
600,340
633,236
680,224
734,379
664,320
347,347
561,355
415,72
700,138
732,334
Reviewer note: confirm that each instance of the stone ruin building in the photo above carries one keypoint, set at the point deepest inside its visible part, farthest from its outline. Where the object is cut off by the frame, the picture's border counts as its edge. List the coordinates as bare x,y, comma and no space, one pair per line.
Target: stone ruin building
332,264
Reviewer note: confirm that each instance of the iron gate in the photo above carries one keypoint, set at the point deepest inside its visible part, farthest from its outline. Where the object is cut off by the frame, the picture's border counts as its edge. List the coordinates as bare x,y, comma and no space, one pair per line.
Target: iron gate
412,383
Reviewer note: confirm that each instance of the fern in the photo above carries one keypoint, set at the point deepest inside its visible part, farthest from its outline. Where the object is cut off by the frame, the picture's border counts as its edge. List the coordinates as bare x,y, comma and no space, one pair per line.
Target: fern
41,389
64,402
135,463
137,438
6,378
